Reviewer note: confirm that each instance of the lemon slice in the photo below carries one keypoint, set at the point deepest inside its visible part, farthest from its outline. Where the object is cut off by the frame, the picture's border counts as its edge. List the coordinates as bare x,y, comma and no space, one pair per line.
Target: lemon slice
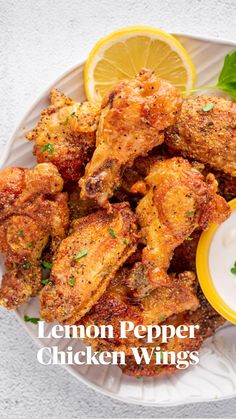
123,53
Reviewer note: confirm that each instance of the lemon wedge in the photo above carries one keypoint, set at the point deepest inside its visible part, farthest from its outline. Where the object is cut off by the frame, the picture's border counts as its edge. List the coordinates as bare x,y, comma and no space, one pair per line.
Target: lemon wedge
122,54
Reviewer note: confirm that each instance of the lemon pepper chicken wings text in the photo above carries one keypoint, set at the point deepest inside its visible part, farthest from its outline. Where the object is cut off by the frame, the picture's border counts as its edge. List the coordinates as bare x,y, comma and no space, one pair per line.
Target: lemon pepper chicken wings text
65,135
207,320
32,209
179,201
86,261
206,131
117,304
133,117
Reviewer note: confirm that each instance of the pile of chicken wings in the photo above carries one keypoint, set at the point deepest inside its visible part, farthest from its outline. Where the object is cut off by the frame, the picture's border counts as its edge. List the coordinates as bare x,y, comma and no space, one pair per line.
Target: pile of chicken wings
114,209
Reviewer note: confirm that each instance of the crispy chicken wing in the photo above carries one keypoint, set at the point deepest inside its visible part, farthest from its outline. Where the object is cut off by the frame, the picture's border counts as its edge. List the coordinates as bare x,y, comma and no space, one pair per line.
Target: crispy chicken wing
86,261
117,305
65,135
133,117
206,131
208,320
32,209
179,201
79,207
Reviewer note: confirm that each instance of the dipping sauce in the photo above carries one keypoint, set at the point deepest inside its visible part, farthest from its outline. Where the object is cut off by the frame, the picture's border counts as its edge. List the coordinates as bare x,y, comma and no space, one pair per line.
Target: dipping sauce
216,257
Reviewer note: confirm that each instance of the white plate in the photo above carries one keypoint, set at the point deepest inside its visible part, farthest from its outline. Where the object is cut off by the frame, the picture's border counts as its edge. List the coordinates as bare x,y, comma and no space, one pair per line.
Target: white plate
215,376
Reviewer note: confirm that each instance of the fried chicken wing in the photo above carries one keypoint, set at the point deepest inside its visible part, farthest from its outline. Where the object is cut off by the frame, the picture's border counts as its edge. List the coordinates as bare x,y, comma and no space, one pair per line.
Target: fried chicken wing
32,209
79,207
179,201
86,261
184,256
208,320
116,305
65,135
133,116
206,131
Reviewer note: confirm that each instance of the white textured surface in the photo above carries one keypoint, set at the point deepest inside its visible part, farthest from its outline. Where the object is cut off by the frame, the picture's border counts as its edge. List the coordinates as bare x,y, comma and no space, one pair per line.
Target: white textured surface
38,41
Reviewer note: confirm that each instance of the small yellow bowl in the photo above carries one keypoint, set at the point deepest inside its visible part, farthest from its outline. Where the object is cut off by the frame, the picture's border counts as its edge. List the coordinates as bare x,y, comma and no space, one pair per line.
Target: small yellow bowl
205,277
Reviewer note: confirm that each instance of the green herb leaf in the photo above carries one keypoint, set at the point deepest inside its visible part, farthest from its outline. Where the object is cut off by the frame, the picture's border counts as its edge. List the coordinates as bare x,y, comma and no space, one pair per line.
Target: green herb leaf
26,264
125,241
189,238
81,254
48,147
190,214
46,265
227,77
162,318
20,233
30,244
45,281
208,107
116,188
65,122
112,234
71,282
33,320
233,270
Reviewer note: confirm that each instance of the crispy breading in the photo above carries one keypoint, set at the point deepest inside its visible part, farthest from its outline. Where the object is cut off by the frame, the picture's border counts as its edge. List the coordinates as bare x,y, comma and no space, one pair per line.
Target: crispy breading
86,261
206,135
133,116
179,201
208,320
32,209
66,135
79,207
117,305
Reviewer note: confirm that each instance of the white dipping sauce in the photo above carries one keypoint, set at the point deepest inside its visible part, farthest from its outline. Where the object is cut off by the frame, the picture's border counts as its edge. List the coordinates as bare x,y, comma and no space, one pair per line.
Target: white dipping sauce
222,256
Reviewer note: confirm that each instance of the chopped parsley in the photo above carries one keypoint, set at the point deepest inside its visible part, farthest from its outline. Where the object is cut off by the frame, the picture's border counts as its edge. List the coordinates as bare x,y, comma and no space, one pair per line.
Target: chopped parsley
190,214
45,281
20,233
189,238
208,107
71,282
233,270
46,265
81,254
48,147
112,234
66,121
26,264
116,188
30,244
125,241
33,320
162,318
